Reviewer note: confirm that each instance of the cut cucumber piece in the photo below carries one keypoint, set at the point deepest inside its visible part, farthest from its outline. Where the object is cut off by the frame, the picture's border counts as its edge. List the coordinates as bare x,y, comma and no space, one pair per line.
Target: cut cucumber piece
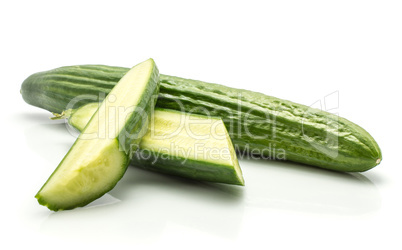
98,158
180,144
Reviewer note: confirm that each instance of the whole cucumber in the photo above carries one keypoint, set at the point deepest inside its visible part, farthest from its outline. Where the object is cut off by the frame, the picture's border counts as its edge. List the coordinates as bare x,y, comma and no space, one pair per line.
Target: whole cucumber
258,124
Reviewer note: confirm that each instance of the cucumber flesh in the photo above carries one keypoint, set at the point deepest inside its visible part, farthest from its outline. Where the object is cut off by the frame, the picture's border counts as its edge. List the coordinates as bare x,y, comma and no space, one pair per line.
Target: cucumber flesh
181,144
78,180
98,158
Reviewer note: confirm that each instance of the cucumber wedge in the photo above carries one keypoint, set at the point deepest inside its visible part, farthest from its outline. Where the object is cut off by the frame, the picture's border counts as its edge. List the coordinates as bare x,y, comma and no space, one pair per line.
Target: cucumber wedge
181,144
98,158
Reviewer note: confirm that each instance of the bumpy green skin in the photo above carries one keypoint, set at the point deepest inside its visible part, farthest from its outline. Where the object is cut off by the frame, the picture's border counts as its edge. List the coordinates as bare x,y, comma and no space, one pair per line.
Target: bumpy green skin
257,123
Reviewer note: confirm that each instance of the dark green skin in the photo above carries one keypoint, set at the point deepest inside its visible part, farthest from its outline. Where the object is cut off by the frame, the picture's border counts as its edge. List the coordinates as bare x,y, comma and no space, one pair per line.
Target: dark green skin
262,124
187,168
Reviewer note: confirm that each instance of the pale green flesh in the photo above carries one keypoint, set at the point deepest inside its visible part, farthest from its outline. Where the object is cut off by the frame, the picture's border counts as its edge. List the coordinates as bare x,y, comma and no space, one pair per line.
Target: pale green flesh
96,162
195,138
88,177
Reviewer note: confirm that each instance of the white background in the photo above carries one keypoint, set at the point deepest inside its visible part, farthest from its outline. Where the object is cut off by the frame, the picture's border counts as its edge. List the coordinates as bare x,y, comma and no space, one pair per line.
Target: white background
297,50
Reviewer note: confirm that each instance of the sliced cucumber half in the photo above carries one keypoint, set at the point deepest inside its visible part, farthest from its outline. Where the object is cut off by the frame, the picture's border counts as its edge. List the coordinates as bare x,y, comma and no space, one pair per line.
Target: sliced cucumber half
98,158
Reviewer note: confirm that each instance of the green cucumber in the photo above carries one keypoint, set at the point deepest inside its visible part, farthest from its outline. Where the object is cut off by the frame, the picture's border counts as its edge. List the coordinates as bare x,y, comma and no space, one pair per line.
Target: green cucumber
98,158
257,123
180,144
